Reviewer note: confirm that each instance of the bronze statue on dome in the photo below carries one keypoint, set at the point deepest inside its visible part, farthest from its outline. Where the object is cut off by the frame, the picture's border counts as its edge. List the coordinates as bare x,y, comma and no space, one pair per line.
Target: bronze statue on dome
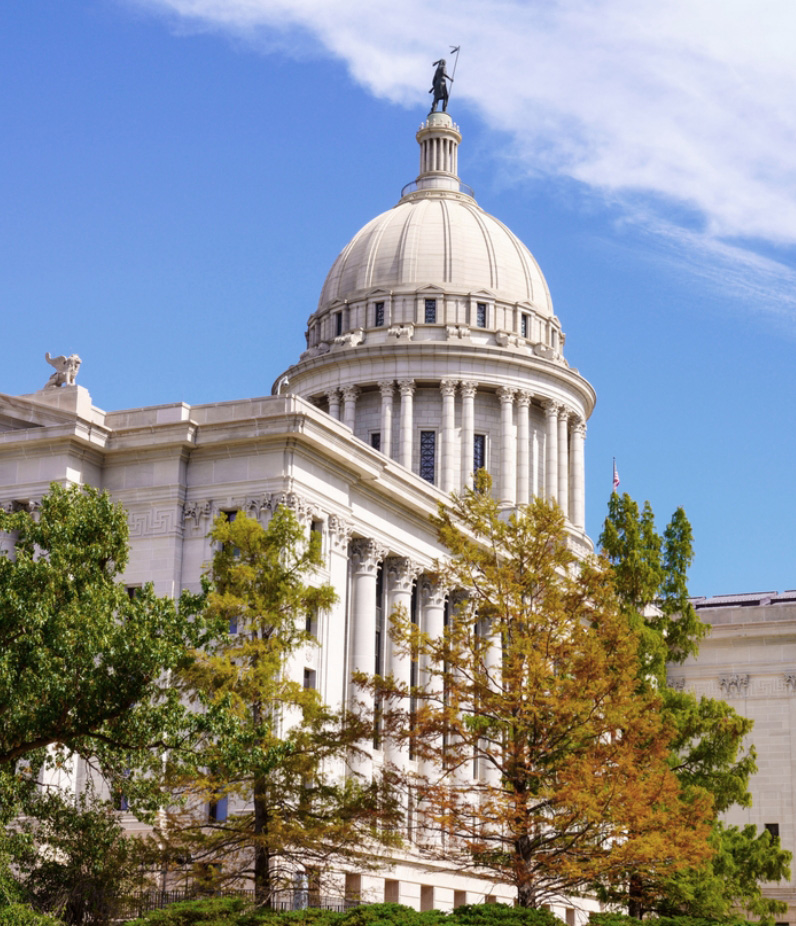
438,86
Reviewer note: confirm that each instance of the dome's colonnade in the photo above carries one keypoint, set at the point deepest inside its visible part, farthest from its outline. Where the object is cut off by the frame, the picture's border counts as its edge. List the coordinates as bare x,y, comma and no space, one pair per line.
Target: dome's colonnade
435,341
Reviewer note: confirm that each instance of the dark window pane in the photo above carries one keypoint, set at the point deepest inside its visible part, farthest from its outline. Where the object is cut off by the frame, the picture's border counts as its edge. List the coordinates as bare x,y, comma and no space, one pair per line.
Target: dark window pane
338,323
479,452
375,440
525,325
431,311
480,315
428,446
379,313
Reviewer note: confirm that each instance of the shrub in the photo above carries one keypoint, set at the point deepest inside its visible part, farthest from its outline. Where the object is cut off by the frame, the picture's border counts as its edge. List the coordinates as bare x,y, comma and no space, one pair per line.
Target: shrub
500,914
18,914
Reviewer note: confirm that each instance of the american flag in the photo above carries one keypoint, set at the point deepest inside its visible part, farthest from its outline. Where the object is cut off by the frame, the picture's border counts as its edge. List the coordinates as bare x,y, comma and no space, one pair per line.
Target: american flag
616,476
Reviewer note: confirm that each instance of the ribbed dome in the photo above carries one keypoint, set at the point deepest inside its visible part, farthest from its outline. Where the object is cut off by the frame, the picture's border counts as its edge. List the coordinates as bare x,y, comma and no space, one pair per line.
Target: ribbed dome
439,238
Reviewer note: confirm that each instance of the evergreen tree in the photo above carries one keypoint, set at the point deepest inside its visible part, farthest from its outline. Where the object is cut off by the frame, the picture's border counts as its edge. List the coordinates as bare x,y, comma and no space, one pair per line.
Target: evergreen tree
541,760
707,749
267,799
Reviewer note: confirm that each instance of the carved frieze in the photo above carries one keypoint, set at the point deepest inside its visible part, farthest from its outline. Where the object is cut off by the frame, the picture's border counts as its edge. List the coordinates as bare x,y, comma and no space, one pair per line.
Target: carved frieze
198,511
734,684
676,684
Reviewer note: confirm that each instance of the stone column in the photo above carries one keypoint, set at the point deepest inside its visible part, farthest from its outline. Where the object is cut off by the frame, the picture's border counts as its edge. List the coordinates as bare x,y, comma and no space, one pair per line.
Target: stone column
551,446
578,516
350,394
365,558
523,448
407,387
468,431
448,389
387,391
432,603
563,459
400,576
508,446
333,396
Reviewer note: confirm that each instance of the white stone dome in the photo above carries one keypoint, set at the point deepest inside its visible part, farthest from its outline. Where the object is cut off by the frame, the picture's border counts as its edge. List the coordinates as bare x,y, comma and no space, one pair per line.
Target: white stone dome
438,238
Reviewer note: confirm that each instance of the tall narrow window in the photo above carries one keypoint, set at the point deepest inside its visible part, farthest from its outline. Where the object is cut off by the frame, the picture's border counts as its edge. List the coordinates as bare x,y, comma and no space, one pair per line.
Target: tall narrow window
479,452
431,311
428,448
338,323
375,440
378,319
525,325
378,660
309,680
413,674
480,315
218,809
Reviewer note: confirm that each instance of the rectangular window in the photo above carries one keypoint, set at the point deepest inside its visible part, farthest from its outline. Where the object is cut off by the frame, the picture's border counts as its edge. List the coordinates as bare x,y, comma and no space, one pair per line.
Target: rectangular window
480,315
431,311
479,452
338,323
378,655
133,592
525,325
217,810
378,313
311,623
309,679
428,447
773,828
375,440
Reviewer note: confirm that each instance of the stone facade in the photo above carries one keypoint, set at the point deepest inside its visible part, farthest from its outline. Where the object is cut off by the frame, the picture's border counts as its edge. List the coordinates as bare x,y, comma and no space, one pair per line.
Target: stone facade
749,660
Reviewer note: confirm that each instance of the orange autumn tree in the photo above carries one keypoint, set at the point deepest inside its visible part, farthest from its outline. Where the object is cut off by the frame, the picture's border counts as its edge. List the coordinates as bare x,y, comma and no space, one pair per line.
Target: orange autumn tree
540,759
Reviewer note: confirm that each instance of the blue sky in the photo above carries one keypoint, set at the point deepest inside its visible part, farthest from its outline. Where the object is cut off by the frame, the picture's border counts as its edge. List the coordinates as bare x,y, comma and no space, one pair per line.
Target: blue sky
177,176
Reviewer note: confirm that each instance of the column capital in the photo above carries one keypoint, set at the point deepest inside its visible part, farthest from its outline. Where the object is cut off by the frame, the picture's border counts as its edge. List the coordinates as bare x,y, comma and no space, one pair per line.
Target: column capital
387,388
506,394
524,398
564,412
550,408
350,393
366,555
468,388
333,395
401,573
578,426
407,386
448,387
432,592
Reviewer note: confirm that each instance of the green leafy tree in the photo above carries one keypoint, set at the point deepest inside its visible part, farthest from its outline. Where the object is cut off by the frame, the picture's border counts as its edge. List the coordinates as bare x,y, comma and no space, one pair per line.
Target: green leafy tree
544,762
80,865
84,667
268,796
707,747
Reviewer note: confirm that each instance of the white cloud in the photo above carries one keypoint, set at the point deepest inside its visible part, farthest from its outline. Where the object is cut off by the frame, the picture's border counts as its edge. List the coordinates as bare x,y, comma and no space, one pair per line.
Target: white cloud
689,100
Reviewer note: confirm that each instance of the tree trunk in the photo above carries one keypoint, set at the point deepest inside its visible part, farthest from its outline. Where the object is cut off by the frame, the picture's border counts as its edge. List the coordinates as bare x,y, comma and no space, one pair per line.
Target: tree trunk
635,899
262,854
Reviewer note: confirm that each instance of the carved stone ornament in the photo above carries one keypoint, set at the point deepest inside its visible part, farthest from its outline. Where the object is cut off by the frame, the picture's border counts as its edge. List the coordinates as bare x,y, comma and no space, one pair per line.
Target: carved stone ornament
734,684
541,350
790,680
350,338
462,332
28,505
340,531
401,332
65,370
468,388
366,555
197,511
506,394
432,592
301,508
448,387
401,573
676,684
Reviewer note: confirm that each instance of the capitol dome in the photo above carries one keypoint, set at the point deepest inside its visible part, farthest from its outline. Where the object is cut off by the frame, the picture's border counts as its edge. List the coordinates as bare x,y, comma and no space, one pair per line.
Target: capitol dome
445,240
435,341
